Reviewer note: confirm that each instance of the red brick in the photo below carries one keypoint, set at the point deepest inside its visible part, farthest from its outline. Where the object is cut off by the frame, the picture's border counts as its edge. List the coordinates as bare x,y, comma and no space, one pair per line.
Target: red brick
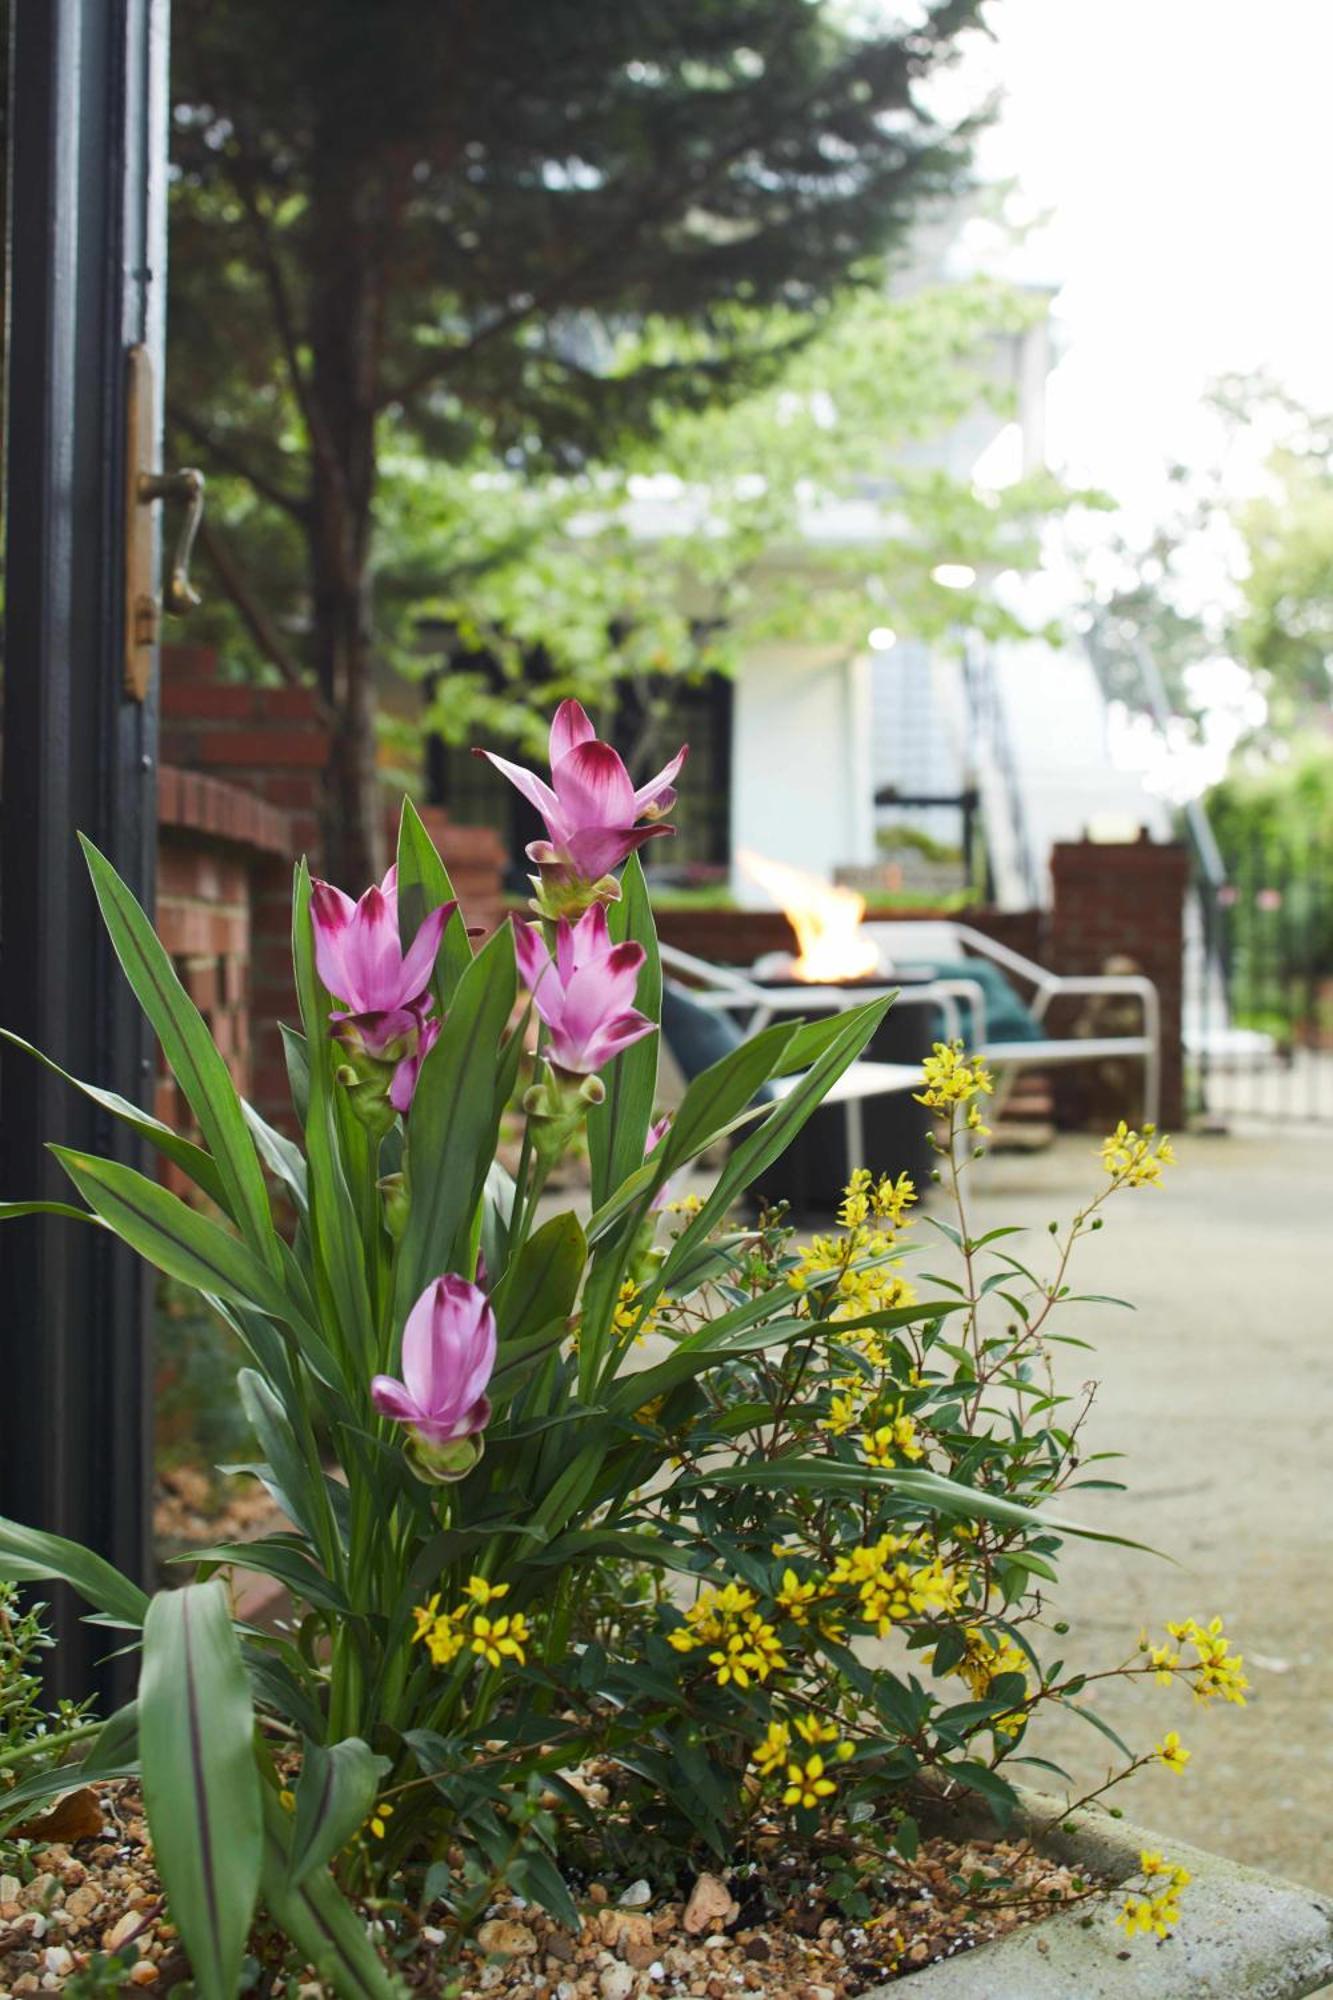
255,748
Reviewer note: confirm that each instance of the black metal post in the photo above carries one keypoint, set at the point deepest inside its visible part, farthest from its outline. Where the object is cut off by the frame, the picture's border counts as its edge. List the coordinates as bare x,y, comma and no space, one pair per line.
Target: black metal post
87,273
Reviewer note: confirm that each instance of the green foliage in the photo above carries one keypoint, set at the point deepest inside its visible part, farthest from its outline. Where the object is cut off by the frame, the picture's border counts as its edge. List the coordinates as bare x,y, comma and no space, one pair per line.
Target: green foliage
758,1526
31,1738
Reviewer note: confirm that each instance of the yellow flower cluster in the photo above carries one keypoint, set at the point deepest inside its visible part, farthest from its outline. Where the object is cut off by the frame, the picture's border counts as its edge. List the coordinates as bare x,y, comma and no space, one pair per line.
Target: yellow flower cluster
892,1442
951,1078
1135,1159
743,1646
1217,1674
885,1199
1160,1908
864,1278
807,1782
983,1662
889,1588
471,1626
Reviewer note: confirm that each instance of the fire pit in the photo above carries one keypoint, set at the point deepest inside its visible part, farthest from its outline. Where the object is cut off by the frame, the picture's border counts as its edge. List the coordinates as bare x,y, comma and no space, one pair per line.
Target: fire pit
836,966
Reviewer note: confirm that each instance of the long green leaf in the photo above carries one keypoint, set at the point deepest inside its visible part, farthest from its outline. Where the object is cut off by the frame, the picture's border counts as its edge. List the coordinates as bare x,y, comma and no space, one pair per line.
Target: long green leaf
191,1053
200,1782
284,1159
10,1211
928,1489
334,1232
28,1555
455,1122
544,1281
423,885
319,1921
304,1486
191,1159
618,1127
334,1794
170,1234
284,1559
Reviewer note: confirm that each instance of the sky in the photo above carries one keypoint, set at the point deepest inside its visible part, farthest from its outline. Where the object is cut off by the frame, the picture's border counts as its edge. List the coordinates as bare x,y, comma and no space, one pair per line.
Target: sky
1180,153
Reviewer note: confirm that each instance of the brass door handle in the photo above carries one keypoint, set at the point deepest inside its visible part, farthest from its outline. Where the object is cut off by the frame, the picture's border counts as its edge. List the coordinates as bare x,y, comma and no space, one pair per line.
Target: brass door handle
179,595
144,488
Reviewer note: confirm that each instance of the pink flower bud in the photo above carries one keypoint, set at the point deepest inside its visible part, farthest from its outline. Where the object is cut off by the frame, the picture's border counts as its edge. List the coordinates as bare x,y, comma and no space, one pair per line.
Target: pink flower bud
448,1356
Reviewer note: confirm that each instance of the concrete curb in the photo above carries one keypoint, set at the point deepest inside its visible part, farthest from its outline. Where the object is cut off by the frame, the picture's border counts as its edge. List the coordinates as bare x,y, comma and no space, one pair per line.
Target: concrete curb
1242,1935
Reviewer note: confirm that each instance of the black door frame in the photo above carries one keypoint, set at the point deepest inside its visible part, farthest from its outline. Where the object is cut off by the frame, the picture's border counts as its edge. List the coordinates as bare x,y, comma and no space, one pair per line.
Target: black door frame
87,240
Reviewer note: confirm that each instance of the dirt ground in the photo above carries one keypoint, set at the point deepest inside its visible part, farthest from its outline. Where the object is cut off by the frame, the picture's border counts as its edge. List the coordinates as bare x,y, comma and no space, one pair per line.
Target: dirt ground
1219,1391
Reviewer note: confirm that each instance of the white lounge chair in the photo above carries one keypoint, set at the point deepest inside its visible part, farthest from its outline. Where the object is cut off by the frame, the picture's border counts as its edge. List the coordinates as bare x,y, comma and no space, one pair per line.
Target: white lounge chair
726,990
921,946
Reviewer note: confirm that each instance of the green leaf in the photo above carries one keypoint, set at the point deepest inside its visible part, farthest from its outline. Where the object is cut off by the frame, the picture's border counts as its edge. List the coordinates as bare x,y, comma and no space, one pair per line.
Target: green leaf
11,1210
334,1794
283,1558
200,1782
775,1132
544,1280
456,1118
284,1159
318,1919
423,885
618,1127
304,1487
170,1234
296,1053
190,1052
29,1556
191,1159
721,1094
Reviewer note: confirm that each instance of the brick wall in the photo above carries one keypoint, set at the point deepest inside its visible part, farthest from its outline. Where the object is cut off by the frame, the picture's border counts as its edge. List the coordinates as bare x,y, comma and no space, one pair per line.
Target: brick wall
266,750
1120,908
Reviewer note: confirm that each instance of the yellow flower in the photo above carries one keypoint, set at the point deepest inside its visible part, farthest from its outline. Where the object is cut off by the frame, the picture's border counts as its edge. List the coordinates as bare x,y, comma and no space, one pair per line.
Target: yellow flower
886,1445
1135,1159
1217,1673
795,1597
816,1729
498,1639
770,1755
842,1416
1155,1913
479,1591
287,1799
425,1615
1172,1752
951,1078
382,1812
807,1784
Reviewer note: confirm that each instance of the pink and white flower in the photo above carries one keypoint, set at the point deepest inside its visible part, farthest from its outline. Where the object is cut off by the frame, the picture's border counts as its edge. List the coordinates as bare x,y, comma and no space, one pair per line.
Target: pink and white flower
448,1358
384,990
591,807
585,993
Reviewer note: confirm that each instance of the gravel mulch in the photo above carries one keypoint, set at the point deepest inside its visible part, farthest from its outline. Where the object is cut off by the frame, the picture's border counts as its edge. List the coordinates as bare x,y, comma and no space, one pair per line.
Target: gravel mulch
762,1932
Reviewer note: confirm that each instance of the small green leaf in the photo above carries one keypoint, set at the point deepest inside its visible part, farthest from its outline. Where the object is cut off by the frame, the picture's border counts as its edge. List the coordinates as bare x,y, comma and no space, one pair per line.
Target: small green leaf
334,1795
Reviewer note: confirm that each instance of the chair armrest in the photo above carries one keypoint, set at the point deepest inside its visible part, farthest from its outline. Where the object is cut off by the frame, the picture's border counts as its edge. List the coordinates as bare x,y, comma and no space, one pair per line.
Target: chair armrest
1055,986
944,994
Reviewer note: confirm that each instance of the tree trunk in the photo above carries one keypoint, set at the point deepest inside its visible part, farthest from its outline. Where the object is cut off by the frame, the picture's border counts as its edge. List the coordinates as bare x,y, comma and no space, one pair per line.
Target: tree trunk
345,347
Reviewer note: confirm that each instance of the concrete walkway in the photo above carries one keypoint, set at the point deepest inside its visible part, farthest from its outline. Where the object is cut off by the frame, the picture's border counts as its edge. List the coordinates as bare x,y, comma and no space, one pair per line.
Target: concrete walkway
1219,1391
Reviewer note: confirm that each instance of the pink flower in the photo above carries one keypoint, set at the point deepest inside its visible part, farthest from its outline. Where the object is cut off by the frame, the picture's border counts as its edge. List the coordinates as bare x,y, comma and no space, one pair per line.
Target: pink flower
590,807
361,961
358,955
585,994
448,1356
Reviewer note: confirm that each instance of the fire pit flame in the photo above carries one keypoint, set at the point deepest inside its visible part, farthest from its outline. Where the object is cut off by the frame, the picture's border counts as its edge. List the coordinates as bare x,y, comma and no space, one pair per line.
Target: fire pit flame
825,917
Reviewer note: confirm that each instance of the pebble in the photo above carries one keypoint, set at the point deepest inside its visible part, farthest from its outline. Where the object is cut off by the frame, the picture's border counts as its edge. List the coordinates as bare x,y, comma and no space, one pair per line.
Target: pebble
637,1897
506,1938
616,1982
10,1887
124,1925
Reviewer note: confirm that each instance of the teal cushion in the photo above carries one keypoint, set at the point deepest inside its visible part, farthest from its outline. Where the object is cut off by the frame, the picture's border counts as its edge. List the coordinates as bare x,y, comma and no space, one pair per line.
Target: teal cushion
1007,1019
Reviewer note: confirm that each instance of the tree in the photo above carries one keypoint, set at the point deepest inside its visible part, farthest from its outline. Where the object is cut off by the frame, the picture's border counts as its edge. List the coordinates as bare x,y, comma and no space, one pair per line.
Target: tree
533,229
744,541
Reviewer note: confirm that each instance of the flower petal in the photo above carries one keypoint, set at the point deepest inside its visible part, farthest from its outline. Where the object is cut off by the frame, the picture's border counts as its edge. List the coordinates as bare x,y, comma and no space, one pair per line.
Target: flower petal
419,962
392,1400
534,789
569,727
595,851
659,793
331,913
593,789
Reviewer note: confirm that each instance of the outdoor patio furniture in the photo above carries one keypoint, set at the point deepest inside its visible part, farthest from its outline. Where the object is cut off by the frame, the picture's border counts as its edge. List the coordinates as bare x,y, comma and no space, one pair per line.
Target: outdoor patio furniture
933,944
723,993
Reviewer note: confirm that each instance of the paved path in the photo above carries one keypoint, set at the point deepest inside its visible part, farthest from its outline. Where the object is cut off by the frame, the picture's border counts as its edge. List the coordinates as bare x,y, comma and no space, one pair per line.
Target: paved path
1219,1390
